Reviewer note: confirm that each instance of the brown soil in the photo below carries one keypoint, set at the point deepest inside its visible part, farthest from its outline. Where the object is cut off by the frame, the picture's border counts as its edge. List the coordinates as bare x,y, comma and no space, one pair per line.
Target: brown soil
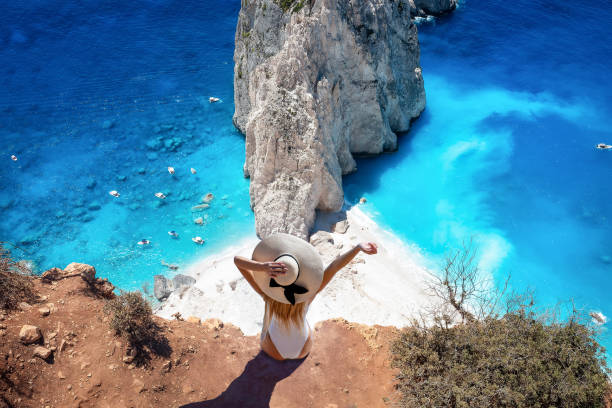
204,366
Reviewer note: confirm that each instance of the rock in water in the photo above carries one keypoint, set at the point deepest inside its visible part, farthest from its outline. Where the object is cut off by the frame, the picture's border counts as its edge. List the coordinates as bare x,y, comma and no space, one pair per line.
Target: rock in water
312,85
431,7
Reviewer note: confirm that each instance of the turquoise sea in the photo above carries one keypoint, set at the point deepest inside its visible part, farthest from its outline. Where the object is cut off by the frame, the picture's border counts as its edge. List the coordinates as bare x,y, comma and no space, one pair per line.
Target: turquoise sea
101,96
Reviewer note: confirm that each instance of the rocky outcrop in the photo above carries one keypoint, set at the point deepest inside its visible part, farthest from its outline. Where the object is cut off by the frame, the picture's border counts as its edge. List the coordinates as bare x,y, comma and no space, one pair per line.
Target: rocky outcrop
431,7
314,83
163,287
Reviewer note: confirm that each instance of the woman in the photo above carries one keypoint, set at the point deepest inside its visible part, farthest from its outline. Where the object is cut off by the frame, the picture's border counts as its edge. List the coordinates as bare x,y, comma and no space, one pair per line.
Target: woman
287,272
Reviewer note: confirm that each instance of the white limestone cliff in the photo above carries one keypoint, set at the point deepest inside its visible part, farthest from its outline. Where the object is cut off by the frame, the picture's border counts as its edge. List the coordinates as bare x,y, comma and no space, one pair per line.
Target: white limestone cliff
314,83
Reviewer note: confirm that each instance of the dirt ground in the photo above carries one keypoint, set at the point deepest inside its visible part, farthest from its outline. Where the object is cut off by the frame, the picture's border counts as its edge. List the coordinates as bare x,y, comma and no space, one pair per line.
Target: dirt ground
204,365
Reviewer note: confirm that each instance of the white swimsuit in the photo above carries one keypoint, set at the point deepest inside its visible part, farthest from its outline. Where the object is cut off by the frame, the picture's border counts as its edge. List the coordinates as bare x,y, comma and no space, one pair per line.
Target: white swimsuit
288,341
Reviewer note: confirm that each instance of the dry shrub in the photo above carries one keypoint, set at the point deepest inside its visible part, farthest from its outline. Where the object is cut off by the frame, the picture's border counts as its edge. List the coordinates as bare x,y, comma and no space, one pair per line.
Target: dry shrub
15,285
132,318
497,351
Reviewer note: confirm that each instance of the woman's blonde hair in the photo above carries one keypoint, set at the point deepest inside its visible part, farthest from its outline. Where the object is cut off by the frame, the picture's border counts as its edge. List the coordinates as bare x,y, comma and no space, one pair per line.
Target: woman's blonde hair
285,312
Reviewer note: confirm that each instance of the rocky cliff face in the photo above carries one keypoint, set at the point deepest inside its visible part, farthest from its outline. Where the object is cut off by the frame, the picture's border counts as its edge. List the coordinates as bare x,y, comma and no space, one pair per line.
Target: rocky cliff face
315,82
431,7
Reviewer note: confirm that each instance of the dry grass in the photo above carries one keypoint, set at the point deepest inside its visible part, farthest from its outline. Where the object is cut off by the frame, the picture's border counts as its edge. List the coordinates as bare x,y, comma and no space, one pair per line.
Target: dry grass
15,285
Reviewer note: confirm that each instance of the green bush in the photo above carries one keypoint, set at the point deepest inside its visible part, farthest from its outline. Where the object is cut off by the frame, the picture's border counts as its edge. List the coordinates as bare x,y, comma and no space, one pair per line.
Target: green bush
132,317
514,361
483,348
15,286
293,5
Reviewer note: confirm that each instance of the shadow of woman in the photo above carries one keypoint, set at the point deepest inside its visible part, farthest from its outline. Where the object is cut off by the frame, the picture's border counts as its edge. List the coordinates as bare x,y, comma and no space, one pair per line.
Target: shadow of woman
254,387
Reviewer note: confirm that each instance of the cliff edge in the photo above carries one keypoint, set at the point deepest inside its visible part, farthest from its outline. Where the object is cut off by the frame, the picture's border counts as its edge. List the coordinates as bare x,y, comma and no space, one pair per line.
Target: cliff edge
314,83
59,351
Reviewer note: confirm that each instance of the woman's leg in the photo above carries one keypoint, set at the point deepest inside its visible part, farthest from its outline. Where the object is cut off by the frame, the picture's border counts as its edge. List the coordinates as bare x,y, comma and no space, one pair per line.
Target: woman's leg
270,349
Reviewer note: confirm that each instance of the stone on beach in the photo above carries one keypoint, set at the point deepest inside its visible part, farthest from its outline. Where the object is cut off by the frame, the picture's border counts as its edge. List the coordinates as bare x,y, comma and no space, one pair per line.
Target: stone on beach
340,227
208,198
163,287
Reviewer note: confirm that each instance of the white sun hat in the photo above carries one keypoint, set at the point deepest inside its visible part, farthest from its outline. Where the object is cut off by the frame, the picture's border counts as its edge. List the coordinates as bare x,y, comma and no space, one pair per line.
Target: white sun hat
304,268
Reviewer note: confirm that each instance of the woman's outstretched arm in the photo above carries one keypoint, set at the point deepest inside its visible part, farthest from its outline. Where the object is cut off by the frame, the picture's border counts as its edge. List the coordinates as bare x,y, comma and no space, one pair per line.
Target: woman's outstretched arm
341,261
248,267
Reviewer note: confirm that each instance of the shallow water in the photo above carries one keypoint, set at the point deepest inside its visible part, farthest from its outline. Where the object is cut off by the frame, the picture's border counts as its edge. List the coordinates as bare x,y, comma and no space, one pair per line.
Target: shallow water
518,95
98,97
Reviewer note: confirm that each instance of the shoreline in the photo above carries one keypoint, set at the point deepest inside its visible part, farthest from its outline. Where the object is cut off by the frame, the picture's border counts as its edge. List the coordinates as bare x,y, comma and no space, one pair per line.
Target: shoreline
386,289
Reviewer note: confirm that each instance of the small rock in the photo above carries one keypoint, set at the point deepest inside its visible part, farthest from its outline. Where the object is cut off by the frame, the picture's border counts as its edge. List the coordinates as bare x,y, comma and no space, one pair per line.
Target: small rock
199,221
105,288
167,366
61,375
213,324
44,311
87,272
162,287
194,319
69,387
128,359
180,281
321,238
340,227
187,389
208,198
42,352
24,306
51,275
107,124
362,200
91,184
94,206
29,334
138,386
200,207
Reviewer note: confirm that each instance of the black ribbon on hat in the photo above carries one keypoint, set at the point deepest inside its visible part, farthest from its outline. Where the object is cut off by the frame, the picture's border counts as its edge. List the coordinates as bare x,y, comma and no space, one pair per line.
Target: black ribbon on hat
290,290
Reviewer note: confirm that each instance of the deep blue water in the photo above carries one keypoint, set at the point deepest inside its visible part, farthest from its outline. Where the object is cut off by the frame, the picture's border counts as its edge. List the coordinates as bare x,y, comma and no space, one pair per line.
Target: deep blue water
99,96
518,95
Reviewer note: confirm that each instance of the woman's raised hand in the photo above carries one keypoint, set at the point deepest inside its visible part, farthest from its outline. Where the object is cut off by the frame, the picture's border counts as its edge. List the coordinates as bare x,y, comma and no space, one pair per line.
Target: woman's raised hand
369,248
274,269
